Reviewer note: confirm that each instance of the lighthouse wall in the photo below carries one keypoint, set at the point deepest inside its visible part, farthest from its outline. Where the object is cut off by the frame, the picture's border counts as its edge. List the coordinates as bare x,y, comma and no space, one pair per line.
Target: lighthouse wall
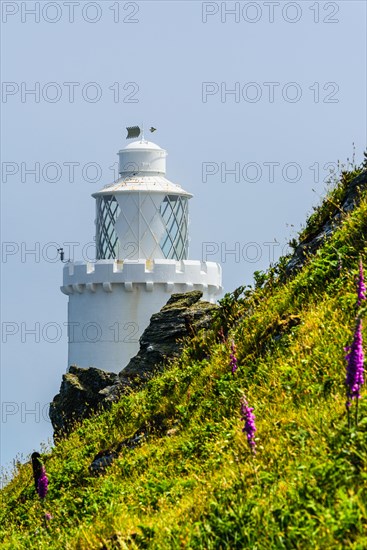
111,302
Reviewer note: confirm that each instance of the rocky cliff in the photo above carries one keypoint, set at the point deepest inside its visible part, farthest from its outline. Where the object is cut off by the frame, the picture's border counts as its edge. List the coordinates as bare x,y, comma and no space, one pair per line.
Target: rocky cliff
85,391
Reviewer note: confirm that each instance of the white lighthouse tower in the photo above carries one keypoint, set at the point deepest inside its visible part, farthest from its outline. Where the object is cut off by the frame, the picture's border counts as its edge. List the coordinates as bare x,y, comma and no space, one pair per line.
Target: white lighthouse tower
141,259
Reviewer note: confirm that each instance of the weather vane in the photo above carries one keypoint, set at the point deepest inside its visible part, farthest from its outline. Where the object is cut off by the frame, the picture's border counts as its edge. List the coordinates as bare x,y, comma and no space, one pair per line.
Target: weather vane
135,131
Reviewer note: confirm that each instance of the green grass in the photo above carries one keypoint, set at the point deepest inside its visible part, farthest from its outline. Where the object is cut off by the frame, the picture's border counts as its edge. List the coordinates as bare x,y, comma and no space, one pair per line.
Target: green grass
200,487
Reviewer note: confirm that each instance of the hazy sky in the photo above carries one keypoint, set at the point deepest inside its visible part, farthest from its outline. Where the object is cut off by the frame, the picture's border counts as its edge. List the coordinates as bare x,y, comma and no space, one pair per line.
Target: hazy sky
252,100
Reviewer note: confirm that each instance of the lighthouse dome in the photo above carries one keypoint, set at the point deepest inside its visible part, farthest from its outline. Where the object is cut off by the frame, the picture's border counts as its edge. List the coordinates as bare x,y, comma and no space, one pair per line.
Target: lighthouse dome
142,144
144,157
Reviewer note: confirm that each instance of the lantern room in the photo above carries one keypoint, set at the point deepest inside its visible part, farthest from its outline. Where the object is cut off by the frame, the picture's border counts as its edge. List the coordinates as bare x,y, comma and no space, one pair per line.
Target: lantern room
142,215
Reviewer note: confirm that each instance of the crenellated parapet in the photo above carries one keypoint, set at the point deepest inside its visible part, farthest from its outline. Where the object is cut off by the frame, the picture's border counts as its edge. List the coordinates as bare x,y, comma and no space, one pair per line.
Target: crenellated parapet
82,277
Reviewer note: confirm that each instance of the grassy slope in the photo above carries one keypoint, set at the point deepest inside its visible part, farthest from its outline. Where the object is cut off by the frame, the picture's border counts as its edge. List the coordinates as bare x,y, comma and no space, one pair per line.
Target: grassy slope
200,487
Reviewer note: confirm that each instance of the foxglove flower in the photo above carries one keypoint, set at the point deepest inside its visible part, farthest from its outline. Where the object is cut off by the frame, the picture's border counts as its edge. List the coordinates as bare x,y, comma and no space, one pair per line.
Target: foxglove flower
361,285
248,418
222,335
42,485
355,370
233,358
39,474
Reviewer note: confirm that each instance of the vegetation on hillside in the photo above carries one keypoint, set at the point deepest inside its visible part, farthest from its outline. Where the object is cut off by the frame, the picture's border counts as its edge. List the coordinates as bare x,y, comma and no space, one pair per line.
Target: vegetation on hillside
195,482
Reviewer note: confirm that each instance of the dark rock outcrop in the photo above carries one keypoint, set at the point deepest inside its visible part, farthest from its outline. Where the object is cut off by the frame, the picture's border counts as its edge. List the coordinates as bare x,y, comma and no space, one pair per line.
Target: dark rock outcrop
79,396
158,424
182,317
84,391
104,459
309,246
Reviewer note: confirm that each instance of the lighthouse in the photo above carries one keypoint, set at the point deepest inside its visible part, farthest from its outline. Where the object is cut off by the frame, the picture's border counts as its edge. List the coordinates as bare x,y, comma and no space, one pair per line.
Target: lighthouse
142,238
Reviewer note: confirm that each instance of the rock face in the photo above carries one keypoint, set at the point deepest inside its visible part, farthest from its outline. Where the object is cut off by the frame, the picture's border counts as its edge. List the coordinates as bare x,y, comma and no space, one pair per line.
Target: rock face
309,246
104,459
183,316
79,396
84,391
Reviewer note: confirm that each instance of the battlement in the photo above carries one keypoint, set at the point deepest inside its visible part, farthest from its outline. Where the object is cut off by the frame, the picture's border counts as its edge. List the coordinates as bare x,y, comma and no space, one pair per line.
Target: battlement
192,274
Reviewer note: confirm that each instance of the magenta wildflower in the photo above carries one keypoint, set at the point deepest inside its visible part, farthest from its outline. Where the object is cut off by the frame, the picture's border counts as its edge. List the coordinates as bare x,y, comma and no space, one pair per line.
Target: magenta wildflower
221,335
42,485
233,358
361,285
355,370
46,520
248,418
39,474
